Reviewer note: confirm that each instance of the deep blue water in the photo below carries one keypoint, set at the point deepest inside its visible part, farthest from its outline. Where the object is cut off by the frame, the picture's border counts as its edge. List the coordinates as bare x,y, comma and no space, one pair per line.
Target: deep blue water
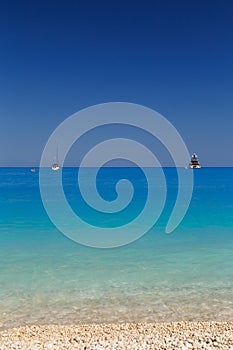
47,278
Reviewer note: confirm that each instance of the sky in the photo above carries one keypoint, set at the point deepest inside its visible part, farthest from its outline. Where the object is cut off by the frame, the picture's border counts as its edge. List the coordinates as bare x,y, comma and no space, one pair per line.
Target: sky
58,57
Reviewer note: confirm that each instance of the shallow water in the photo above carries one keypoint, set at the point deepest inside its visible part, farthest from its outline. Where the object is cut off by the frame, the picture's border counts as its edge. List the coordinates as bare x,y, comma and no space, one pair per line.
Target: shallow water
47,278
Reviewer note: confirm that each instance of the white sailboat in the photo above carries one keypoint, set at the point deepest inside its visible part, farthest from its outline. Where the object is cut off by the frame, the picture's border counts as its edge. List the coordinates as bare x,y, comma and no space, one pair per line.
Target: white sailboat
194,163
56,165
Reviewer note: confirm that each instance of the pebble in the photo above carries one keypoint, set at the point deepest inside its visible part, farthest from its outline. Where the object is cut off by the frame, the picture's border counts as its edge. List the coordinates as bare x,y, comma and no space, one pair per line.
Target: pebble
138,336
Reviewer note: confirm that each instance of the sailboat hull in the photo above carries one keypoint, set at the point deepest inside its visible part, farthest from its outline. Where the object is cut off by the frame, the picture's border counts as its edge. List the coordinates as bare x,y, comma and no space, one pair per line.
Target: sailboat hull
191,166
55,167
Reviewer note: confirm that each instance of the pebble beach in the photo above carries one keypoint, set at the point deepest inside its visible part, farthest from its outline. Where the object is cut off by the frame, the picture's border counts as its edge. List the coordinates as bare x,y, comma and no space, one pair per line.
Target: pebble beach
145,336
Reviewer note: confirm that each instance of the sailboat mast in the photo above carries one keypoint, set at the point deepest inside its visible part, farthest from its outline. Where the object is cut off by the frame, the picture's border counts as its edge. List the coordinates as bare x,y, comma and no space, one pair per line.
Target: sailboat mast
57,155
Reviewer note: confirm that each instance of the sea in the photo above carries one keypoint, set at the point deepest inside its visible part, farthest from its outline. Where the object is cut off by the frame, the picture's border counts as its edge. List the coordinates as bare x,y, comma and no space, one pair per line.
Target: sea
47,278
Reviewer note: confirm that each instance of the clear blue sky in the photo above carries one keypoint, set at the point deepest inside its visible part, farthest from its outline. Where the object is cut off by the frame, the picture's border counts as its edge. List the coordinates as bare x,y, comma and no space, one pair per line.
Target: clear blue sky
58,57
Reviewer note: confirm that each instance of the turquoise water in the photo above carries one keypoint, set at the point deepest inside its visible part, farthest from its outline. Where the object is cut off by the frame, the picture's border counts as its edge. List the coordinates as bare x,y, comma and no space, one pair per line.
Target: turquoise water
47,278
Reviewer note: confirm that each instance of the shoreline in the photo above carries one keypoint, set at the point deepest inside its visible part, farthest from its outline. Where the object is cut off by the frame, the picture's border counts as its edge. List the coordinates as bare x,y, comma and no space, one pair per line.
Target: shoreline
164,335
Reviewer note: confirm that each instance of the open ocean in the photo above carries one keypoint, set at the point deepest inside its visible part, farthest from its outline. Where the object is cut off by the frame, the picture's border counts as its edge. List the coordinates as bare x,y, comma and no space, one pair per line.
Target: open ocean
186,275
